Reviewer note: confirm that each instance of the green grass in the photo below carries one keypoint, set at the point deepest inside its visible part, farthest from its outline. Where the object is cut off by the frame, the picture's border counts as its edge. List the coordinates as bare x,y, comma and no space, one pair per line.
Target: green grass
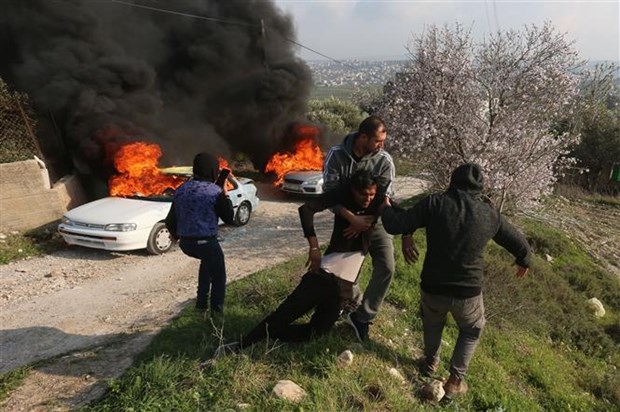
12,380
40,241
541,350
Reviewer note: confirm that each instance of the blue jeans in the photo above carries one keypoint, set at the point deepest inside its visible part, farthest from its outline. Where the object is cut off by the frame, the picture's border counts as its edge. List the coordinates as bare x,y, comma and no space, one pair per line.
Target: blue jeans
212,272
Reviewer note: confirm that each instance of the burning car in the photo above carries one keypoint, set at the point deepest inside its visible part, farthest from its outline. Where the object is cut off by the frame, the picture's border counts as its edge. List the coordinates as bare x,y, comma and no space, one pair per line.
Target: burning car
305,182
136,220
299,171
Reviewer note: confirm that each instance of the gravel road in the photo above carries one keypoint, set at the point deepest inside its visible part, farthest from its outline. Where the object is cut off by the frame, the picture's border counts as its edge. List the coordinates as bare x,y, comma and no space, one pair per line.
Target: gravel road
84,314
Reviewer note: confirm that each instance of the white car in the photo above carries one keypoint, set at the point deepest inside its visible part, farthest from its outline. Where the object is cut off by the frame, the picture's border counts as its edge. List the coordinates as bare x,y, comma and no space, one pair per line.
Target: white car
305,182
119,223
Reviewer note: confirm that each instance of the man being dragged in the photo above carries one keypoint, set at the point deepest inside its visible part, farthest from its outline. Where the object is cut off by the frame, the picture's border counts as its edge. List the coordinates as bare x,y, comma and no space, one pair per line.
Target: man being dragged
327,287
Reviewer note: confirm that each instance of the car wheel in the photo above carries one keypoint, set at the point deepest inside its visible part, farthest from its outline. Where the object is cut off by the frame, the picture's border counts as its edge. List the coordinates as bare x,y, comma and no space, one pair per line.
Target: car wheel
160,240
243,214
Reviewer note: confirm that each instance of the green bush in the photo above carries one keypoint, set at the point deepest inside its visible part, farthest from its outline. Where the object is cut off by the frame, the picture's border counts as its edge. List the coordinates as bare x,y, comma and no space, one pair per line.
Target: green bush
338,116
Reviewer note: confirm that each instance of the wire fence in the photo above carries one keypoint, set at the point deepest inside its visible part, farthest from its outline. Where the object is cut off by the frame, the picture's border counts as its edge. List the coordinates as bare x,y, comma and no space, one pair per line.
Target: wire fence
17,139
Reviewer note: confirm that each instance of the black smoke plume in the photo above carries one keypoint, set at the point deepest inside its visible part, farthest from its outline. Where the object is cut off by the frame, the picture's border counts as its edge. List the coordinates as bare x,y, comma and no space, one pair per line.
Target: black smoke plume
110,73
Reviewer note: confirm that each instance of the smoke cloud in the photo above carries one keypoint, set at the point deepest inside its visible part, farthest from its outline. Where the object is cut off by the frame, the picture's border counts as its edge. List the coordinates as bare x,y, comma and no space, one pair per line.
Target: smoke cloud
111,73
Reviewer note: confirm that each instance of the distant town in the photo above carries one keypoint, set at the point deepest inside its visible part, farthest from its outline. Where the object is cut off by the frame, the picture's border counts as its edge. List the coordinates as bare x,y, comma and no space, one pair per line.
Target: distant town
354,72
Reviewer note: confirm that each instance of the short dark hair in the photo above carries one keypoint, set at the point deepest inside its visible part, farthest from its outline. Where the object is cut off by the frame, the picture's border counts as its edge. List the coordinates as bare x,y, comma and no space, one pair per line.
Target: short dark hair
362,179
370,125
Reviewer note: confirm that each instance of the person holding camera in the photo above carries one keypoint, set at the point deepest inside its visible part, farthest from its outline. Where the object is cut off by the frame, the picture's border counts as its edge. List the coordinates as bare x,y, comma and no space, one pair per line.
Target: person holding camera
196,209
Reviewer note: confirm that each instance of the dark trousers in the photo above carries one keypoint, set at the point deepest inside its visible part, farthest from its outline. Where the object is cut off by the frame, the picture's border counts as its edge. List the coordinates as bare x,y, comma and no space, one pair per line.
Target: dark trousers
318,291
212,271
469,316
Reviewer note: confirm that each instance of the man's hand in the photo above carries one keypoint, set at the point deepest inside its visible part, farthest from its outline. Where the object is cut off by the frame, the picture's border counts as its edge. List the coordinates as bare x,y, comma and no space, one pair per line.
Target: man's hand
314,259
410,252
359,224
521,271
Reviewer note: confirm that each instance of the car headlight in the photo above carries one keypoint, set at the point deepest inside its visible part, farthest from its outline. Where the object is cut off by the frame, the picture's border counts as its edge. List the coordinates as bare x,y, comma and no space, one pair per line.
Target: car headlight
120,227
67,221
315,180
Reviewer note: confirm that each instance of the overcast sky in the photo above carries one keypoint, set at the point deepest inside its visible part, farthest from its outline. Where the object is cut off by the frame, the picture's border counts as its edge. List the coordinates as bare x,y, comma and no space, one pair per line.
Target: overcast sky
381,29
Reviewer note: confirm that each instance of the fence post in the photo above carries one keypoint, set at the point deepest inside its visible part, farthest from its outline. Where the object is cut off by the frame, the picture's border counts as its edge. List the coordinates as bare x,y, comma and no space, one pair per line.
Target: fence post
29,129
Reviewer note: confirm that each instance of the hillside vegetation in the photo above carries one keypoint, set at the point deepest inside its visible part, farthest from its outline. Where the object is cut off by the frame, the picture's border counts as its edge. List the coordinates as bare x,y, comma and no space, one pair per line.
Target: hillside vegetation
542,349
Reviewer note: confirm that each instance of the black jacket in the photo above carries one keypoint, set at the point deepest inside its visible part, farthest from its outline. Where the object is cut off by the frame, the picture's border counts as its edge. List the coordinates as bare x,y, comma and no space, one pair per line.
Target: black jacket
338,243
458,225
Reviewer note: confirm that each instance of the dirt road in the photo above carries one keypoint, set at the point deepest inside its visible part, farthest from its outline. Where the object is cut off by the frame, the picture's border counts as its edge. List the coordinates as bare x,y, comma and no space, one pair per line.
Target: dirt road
84,314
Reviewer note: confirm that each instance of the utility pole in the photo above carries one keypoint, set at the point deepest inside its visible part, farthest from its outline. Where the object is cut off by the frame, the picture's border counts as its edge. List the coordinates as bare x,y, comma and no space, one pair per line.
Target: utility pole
262,43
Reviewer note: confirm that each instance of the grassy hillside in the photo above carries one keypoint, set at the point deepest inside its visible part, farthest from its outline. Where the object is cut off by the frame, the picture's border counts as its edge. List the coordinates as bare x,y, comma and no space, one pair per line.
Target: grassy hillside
542,349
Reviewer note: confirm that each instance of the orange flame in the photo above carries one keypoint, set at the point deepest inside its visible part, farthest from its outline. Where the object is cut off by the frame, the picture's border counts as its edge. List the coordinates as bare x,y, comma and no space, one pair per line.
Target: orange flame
307,156
138,172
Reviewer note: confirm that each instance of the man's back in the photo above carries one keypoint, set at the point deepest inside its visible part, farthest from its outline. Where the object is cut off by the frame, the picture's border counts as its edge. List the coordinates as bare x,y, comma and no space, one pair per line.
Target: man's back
459,224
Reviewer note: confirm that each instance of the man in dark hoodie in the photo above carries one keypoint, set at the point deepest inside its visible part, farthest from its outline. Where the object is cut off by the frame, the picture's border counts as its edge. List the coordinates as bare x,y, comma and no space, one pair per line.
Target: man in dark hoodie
458,225
197,206
363,150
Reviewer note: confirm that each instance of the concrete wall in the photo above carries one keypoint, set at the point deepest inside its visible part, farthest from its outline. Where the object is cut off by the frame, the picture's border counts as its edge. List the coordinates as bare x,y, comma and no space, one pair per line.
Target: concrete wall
26,199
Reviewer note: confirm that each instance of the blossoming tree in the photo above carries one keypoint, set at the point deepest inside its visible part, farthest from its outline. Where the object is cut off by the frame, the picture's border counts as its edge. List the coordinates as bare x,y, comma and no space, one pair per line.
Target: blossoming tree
493,103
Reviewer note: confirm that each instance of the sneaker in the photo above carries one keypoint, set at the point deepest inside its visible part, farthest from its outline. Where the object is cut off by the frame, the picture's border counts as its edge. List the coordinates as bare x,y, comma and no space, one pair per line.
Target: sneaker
226,348
455,387
360,328
428,367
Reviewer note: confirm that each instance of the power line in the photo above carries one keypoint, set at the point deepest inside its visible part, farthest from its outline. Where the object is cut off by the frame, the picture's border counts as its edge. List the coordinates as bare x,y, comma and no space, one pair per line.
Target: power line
319,53
193,16
226,21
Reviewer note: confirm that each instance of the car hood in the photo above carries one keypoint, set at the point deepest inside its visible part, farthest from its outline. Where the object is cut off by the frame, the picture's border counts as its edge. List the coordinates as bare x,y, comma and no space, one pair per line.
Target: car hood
303,174
119,210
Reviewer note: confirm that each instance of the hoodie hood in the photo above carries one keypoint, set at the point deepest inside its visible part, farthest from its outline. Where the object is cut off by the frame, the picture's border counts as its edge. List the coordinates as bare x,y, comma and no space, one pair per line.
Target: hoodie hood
206,167
467,177
347,143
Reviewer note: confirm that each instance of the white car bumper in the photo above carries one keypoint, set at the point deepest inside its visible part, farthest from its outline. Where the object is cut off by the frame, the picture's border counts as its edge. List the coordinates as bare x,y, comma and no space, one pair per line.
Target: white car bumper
103,239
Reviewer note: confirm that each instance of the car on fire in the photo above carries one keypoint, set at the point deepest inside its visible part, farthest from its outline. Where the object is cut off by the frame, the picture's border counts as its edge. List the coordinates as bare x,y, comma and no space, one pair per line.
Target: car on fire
130,223
303,182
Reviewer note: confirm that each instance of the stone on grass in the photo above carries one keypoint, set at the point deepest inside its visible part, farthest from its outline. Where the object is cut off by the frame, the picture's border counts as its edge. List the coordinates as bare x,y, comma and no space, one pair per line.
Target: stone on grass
433,391
597,307
345,358
397,375
288,390
549,258
242,406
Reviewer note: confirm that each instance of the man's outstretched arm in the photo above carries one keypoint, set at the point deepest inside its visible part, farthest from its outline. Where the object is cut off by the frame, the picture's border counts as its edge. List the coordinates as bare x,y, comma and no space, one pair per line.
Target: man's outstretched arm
514,242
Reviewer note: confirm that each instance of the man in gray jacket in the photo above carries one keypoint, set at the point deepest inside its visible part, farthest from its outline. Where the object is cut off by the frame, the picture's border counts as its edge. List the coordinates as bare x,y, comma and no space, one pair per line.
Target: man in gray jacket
459,224
363,150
